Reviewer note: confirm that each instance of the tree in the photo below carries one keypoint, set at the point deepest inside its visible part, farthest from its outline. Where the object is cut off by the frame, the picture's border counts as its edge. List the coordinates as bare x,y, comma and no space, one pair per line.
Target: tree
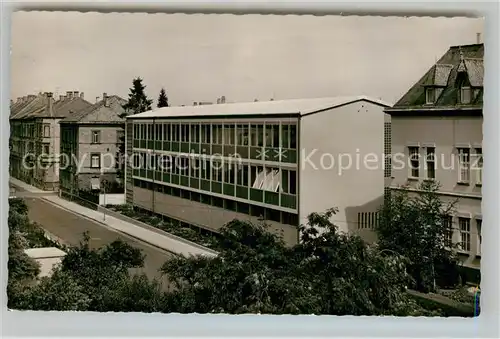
137,102
327,273
414,225
162,99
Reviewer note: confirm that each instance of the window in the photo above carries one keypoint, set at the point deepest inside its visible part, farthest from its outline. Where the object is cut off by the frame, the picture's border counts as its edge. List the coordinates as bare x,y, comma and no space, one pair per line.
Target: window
387,150
464,226
217,134
257,176
242,135
478,166
448,231
430,95
242,175
464,165
465,95
96,137
414,162
46,131
367,220
166,132
46,148
479,224
205,134
430,162
95,161
195,133
257,135
228,134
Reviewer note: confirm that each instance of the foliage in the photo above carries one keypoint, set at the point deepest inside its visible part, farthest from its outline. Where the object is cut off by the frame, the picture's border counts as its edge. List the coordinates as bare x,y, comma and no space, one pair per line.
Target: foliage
327,273
255,272
137,102
414,226
162,99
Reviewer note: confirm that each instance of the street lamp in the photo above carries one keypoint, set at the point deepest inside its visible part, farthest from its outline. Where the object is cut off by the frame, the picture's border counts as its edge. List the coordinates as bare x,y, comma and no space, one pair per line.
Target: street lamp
104,184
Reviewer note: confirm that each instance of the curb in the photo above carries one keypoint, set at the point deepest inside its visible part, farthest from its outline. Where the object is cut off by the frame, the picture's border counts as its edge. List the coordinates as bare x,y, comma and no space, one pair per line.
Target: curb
113,229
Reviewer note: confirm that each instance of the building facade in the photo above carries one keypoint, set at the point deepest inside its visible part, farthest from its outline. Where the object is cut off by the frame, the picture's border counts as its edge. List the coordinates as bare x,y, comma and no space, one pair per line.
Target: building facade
35,136
437,135
275,161
91,142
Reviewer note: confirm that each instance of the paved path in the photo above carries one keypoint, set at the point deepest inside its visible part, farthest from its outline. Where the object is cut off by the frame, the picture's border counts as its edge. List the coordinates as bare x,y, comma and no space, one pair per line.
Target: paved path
68,221
156,238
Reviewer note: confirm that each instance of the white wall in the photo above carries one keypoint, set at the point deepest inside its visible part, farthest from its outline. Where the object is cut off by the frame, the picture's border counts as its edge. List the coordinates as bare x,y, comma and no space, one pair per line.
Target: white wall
355,130
112,199
445,134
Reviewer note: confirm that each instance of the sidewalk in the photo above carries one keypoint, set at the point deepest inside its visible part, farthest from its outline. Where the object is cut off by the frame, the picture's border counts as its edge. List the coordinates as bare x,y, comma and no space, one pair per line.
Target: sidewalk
161,240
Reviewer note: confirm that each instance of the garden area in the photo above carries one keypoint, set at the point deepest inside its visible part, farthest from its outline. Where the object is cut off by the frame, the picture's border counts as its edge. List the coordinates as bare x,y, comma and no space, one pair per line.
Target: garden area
199,236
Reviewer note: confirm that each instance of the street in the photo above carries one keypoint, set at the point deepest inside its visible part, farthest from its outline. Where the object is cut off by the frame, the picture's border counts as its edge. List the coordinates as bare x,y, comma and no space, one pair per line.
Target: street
70,228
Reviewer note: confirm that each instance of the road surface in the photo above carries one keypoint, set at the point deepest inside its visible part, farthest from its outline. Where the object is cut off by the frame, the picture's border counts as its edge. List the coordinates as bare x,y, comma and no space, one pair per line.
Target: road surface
70,227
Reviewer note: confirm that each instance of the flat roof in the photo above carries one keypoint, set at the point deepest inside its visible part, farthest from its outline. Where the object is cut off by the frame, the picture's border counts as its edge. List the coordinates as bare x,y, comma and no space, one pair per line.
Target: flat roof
44,252
274,107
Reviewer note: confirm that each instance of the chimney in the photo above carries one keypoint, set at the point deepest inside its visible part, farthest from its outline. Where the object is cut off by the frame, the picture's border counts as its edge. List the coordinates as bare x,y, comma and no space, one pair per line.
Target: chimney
105,99
478,38
223,99
218,101
49,103
75,94
81,95
69,95
11,102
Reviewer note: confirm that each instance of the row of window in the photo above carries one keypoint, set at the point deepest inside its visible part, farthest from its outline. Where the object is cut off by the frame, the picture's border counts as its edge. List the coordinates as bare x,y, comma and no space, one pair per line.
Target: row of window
268,134
95,135
259,177
228,204
464,233
30,130
466,166
465,96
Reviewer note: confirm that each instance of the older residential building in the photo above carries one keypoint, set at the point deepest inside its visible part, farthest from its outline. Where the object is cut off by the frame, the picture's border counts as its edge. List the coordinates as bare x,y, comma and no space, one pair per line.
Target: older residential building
277,161
437,135
34,138
90,144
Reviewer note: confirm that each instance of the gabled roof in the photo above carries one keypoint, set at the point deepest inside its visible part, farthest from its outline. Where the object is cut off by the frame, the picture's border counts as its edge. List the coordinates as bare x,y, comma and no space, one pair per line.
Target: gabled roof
18,105
39,108
276,107
443,75
32,107
99,112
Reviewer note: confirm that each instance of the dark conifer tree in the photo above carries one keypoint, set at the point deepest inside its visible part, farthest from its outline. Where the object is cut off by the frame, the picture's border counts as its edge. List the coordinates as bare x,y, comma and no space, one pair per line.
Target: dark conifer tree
162,99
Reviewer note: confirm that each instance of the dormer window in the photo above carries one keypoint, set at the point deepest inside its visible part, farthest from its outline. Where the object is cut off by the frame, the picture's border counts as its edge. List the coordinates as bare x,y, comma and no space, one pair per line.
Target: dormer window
430,95
465,95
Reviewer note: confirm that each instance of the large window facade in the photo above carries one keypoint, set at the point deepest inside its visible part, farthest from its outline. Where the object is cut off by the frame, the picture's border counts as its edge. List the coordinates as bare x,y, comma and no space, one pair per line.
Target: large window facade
270,141
270,185
246,164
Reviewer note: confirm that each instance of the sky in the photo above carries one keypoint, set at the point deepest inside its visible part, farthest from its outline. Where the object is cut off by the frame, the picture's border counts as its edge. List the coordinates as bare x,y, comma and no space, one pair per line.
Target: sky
200,57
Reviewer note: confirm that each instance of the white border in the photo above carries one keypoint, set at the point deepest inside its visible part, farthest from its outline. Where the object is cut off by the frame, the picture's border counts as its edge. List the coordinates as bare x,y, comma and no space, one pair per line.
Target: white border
52,324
